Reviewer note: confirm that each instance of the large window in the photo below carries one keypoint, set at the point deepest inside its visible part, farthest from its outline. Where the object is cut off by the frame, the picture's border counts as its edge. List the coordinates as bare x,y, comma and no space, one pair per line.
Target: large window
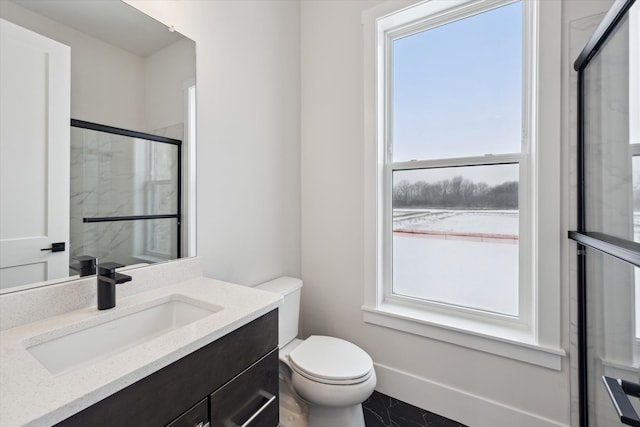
454,144
457,185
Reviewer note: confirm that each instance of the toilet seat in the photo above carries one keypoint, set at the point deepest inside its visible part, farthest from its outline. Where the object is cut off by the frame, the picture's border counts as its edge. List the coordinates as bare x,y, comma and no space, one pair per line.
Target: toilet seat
331,360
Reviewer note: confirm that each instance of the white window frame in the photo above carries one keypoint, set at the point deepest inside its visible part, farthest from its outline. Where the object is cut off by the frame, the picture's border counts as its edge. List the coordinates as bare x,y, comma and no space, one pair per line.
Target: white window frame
535,336
152,247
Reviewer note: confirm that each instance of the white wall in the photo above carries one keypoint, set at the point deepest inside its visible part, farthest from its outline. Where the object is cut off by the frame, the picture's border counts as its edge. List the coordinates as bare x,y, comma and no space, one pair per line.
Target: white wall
115,87
166,72
472,387
106,82
248,104
248,149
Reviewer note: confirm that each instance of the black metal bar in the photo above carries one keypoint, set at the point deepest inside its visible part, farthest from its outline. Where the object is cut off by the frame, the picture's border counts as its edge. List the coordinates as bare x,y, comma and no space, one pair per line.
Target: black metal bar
583,380
581,294
124,132
609,23
625,250
130,218
179,190
580,172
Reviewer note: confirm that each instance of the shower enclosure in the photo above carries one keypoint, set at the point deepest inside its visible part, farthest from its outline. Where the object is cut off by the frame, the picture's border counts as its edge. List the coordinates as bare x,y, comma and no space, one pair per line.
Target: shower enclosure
608,234
125,194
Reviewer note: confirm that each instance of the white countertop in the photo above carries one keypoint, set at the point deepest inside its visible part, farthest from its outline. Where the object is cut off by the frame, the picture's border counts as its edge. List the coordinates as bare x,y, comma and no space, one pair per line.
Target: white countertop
30,395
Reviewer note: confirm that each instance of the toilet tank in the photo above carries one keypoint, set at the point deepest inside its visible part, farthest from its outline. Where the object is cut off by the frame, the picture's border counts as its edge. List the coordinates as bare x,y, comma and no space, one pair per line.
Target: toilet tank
288,313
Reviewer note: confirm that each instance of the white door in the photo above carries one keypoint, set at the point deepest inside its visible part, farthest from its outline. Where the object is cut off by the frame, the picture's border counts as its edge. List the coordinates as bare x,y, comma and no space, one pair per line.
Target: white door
35,91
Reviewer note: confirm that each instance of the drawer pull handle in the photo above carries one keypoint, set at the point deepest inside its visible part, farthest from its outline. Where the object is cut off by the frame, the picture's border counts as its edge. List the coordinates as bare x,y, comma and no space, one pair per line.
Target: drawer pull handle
618,390
270,399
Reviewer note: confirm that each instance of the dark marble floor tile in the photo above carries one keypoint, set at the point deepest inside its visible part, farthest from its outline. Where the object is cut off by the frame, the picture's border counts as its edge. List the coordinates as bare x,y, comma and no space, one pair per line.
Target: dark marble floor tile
403,414
381,410
375,410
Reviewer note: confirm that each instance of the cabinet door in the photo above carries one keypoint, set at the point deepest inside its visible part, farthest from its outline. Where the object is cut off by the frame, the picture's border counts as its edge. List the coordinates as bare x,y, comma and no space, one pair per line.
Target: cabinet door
198,416
251,398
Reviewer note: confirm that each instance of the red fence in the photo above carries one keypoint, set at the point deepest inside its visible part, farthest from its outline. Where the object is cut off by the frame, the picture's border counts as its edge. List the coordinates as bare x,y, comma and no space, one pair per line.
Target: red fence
448,235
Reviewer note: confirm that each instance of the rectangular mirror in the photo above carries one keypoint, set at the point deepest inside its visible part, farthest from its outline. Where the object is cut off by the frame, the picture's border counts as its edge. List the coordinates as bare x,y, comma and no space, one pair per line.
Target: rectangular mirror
123,163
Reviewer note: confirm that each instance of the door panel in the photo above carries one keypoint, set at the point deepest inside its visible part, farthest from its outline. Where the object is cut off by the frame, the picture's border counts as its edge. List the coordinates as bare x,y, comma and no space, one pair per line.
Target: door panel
608,179
24,274
35,84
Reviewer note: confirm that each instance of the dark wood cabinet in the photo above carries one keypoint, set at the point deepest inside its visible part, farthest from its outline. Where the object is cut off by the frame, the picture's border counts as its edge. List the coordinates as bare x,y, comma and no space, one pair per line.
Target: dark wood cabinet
198,416
251,398
205,379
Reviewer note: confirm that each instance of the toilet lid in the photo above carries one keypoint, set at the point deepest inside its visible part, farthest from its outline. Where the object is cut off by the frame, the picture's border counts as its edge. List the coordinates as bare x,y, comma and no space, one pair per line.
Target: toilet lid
330,359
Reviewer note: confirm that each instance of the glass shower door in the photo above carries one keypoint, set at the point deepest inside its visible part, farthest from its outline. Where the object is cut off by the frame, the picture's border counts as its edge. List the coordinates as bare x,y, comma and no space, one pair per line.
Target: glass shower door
125,195
609,221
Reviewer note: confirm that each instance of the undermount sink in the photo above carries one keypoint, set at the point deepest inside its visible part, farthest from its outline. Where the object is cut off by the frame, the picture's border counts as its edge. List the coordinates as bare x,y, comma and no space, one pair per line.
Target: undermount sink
103,340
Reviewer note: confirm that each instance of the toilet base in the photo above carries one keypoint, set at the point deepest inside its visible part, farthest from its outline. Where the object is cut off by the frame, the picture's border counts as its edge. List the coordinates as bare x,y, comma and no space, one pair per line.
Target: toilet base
331,416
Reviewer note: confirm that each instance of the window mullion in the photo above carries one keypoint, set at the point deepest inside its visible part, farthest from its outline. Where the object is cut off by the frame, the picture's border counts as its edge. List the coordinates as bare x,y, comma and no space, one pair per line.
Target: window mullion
487,160
387,233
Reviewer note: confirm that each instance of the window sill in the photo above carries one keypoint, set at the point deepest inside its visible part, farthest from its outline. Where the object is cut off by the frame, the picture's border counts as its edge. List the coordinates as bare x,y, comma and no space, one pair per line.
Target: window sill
482,336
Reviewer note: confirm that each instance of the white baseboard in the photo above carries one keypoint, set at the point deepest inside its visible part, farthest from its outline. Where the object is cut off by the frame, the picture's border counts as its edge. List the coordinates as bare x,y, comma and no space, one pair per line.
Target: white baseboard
469,409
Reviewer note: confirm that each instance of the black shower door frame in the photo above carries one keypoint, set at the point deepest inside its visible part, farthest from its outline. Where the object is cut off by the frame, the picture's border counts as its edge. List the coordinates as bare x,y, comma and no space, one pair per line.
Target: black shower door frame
149,137
622,249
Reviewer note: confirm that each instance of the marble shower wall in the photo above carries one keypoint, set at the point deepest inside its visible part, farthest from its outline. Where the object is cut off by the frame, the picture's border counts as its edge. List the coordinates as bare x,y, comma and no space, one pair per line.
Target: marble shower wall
114,175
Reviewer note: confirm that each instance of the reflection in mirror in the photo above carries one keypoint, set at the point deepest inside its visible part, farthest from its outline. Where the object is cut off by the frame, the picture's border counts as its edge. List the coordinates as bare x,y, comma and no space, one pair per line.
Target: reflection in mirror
125,202
127,199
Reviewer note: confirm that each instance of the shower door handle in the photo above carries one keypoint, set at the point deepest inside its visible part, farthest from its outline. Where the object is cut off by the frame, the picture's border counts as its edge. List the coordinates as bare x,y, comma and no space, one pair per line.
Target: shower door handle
618,390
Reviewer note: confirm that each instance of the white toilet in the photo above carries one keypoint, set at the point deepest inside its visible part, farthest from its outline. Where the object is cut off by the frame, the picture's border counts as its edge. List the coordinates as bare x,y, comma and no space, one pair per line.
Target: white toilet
325,377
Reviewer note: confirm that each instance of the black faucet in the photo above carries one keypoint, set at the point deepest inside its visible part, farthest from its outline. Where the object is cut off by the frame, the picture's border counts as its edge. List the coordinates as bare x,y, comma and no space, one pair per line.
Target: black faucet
107,281
86,265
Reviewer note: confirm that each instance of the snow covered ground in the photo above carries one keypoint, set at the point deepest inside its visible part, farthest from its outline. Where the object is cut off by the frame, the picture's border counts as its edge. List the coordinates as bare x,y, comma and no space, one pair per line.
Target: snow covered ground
461,221
477,274
464,271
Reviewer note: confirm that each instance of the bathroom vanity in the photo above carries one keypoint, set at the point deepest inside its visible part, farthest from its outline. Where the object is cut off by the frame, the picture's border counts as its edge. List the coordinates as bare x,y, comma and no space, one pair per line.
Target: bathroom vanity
217,364
232,379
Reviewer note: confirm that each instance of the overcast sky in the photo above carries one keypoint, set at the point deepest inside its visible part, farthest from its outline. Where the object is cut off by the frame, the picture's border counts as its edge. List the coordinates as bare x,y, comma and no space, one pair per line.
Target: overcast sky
457,89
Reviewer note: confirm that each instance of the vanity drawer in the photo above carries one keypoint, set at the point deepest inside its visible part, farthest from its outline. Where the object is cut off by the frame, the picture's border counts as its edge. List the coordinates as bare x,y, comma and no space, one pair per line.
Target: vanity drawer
198,416
251,398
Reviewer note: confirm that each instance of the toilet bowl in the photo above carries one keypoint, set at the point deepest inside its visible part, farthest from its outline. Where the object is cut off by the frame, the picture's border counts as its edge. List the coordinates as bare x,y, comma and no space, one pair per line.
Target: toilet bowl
328,377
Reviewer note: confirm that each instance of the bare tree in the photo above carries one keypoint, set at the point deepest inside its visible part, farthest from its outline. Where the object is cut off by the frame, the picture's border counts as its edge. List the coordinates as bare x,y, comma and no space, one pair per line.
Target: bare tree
457,192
